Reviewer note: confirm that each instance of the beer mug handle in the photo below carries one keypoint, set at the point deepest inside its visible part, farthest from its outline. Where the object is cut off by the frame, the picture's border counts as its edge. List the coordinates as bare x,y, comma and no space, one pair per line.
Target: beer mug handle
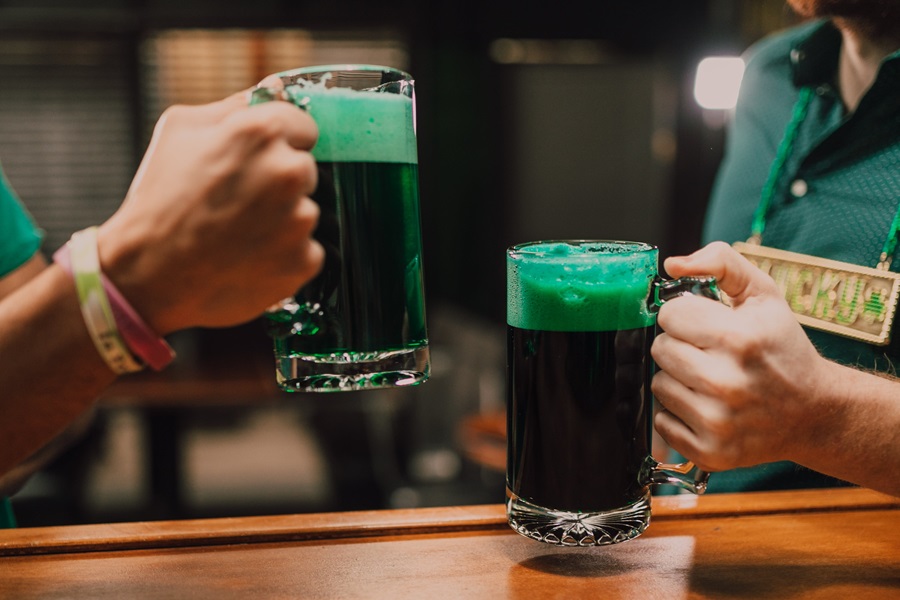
684,475
666,289
288,316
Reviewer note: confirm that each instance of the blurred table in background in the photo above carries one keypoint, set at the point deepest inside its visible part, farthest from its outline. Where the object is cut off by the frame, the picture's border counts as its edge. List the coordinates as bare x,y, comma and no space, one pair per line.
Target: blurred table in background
212,435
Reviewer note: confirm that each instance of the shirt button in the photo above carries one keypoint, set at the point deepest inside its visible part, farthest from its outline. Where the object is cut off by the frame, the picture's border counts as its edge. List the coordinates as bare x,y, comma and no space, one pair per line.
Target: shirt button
797,56
799,188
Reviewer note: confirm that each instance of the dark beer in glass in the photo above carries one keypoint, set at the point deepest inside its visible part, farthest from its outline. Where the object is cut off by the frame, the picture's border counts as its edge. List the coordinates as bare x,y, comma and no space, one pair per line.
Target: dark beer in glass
361,323
581,319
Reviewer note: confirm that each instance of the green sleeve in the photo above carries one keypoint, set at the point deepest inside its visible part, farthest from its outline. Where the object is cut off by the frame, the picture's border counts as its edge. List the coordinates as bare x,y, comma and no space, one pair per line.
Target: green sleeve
20,238
7,518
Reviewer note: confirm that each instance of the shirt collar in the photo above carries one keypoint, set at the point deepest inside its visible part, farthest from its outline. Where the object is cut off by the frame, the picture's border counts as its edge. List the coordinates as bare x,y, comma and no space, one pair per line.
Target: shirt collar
814,58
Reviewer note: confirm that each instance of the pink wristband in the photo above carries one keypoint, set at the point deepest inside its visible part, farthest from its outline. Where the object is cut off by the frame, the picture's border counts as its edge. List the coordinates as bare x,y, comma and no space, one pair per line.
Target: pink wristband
141,340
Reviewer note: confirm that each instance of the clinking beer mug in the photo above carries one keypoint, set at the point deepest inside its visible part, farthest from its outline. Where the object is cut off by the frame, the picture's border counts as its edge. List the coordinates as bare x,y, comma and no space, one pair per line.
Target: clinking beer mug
361,323
581,319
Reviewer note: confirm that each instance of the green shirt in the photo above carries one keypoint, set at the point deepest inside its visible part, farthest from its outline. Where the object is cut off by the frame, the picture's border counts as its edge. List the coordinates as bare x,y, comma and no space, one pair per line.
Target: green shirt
837,194
7,518
20,239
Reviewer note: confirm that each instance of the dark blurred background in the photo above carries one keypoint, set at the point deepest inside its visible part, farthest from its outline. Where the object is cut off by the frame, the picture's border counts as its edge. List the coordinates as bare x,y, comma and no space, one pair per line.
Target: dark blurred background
535,120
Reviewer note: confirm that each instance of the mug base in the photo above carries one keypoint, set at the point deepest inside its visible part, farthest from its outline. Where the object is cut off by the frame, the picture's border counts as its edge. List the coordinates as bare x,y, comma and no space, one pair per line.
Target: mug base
562,528
349,371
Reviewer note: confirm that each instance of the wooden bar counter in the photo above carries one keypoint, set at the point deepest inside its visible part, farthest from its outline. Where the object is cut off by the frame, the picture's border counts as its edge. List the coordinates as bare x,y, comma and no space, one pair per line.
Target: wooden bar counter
841,543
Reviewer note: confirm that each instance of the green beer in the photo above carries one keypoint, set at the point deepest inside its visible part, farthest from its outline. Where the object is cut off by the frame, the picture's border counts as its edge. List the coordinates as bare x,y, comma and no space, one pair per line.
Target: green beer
361,323
581,317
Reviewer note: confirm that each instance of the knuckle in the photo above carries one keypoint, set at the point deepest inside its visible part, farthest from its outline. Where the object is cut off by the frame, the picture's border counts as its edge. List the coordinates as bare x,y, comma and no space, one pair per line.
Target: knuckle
658,386
308,170
304,119
728,390
307,260
286,171
254,124
718,249
289,174
742,339
306,217
272,81
176,112
173,115
663,424
719,246
660,347
310,209
750,345
315,256
662,316
712,456
719,427
668,313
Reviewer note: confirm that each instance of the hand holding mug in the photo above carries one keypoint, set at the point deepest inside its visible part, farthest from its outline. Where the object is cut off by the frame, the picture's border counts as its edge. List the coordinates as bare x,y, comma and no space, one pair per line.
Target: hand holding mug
218,221
733,380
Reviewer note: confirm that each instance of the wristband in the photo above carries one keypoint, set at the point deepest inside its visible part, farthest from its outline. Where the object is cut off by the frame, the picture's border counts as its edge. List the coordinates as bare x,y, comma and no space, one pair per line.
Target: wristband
142,340
94,304
115,327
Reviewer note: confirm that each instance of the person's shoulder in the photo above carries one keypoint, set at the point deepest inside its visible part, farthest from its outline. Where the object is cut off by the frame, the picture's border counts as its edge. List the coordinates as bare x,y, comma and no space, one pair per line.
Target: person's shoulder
769,74
774,50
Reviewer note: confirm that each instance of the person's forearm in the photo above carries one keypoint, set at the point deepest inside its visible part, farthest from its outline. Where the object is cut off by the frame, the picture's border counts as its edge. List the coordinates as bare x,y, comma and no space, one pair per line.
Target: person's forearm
51,370
856,434
216,226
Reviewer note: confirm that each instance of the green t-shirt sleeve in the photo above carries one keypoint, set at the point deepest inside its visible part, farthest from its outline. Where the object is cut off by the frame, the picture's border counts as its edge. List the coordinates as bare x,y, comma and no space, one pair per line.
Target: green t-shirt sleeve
20,238
7,518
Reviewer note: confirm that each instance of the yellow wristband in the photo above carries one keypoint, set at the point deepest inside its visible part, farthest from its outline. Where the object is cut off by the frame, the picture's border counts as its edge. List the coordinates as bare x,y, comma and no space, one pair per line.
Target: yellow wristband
95,307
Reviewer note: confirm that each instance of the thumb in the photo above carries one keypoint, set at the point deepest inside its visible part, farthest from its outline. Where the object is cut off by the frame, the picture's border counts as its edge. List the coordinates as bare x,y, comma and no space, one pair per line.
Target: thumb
737,277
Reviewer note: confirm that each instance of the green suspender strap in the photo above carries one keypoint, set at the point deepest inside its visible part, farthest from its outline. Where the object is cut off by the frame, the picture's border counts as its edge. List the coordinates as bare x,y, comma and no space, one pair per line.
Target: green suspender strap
7,518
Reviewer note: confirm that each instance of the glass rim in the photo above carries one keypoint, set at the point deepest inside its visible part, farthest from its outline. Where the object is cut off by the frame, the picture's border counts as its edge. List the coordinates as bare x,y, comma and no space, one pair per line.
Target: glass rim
344,67
634,247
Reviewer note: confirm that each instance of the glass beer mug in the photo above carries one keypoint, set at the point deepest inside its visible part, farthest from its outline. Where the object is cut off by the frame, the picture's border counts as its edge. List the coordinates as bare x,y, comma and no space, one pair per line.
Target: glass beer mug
581,319
361,323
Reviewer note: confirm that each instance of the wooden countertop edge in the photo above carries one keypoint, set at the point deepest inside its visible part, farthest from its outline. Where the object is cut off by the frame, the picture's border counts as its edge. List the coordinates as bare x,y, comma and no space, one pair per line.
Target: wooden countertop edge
384,523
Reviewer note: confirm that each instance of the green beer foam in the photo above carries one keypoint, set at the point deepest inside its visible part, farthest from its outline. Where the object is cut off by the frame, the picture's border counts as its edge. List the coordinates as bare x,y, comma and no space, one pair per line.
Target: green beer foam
594,286
359,126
